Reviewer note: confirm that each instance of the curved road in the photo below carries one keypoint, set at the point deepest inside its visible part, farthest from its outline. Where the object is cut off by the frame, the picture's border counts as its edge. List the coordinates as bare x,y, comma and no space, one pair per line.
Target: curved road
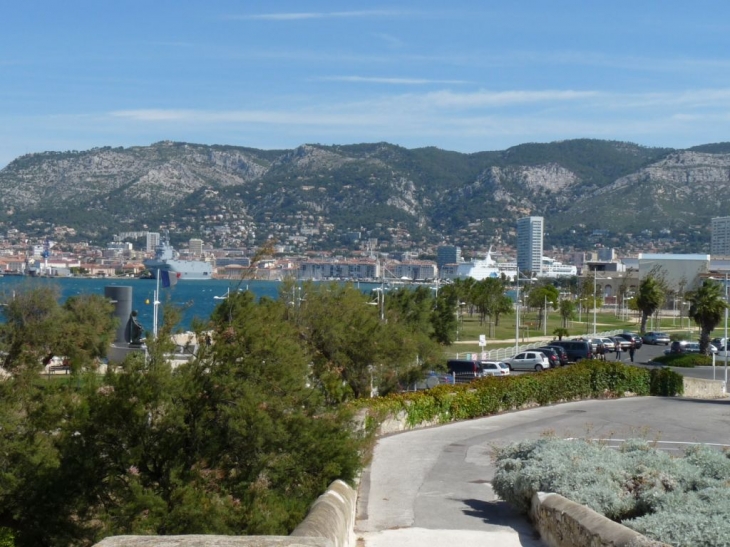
431,486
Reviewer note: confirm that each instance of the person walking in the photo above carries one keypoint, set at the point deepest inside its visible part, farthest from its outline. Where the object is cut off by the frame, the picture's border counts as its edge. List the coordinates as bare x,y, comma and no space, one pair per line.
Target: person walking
618,351
632,350
601,352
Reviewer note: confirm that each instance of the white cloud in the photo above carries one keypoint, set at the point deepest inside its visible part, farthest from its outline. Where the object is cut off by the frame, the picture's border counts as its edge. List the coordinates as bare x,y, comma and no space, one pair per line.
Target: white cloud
296,16
384,80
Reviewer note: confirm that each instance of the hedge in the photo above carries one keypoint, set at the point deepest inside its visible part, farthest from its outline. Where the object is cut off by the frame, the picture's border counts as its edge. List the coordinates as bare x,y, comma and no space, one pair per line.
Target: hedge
488,396
685,360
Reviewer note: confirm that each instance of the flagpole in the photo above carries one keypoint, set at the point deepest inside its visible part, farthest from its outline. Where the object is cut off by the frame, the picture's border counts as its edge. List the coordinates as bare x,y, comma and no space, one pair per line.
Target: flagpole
156,304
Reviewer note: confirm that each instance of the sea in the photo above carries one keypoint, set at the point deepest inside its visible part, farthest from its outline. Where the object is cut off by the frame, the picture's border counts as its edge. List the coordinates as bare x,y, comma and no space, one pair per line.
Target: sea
197,299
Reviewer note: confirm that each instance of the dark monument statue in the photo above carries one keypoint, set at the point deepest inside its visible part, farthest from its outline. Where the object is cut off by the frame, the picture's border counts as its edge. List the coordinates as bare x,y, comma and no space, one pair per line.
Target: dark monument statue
134,330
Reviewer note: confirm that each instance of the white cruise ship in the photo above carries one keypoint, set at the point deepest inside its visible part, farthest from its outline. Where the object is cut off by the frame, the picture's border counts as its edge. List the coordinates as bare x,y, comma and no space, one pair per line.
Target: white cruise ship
485,269
488,268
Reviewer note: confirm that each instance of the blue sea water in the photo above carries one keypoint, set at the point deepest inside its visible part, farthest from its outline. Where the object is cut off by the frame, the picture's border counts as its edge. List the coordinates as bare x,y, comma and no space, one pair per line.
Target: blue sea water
197,298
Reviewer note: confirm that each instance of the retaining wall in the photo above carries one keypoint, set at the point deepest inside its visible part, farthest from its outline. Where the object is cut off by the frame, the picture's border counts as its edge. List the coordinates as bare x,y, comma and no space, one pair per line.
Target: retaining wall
700,388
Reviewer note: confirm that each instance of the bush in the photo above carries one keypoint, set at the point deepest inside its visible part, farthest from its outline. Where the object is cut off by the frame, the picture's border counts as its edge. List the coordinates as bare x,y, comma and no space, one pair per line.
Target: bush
680,501
666,382
487,396
685,360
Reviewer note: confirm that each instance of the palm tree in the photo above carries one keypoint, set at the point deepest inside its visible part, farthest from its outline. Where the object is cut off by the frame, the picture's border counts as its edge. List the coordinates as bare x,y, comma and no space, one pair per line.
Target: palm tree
648,299
707,306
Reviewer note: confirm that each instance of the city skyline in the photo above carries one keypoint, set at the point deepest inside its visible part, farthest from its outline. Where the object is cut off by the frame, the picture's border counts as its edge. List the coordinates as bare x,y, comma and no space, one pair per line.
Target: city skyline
467,78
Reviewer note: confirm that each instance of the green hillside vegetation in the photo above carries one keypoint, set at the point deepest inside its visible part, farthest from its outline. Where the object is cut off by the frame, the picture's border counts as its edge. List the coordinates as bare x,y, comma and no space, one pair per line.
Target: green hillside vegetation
435,195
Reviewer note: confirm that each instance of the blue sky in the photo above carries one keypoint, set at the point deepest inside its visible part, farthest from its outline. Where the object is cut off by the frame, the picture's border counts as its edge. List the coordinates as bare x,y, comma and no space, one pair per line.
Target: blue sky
459,75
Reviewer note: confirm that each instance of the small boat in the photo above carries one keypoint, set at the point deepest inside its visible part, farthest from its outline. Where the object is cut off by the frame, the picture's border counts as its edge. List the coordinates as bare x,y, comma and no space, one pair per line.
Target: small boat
225,296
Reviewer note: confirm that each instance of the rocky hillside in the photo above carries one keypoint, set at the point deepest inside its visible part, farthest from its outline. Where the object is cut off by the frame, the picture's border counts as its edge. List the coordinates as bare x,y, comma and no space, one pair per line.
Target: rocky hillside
315,194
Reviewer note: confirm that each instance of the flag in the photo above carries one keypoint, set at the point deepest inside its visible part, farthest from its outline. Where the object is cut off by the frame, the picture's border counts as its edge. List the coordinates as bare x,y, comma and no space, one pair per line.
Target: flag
169,278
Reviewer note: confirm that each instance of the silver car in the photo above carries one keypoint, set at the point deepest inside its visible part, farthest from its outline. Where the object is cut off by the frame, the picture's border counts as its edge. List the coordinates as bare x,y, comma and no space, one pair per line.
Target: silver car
529,360
494,368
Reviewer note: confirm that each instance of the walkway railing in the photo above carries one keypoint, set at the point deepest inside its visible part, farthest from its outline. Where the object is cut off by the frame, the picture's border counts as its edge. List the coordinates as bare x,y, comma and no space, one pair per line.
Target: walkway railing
505,353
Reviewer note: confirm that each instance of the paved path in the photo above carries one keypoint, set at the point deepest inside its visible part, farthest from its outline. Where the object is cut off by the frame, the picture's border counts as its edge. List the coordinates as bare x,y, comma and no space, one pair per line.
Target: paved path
431,487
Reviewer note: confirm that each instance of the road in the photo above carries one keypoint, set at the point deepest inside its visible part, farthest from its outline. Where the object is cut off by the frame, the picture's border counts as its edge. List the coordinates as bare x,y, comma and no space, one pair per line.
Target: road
432,487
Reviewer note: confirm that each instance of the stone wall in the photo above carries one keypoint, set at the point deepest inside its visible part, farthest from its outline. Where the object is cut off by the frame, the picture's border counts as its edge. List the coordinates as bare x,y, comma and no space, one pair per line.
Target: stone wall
564,523
699,388
329,523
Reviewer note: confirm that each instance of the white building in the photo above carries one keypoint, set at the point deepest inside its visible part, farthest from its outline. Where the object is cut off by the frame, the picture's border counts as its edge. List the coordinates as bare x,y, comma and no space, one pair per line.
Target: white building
153,240
529,244
720,238
196,247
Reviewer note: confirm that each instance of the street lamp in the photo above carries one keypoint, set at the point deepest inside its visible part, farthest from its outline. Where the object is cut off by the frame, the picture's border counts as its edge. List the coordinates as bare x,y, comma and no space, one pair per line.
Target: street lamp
725,339
517,312
595,292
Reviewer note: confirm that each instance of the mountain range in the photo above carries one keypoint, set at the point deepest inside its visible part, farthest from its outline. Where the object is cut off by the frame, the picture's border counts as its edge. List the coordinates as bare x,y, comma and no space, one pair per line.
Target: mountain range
315,195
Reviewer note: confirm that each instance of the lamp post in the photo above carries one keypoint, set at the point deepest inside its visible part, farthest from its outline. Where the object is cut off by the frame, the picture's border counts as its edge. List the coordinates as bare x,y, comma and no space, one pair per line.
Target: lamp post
517,313
595,297
725,342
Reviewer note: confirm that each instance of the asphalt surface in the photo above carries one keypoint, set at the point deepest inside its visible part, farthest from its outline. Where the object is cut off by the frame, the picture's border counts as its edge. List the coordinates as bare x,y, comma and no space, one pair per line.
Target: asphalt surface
432,487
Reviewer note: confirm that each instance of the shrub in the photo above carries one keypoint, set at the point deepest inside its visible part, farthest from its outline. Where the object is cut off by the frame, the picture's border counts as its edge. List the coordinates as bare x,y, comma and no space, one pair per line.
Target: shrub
686,360
489,396
680,501
666,382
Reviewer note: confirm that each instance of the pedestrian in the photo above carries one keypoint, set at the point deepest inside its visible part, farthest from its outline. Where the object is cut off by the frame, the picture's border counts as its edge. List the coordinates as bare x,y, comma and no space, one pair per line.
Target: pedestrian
601,352
632,350
618,351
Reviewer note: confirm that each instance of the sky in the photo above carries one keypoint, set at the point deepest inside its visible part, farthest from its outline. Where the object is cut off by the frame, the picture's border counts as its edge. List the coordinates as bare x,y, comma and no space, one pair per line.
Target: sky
459,75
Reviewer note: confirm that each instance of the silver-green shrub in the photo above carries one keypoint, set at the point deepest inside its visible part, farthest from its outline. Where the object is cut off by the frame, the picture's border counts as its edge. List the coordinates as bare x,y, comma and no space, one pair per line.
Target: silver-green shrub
680,501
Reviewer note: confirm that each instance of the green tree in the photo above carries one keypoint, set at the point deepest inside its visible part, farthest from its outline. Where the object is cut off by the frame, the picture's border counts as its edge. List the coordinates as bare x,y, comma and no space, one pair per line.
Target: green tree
707,306
237,441
37,327
352,349
443,317
540,296
566,308
648,298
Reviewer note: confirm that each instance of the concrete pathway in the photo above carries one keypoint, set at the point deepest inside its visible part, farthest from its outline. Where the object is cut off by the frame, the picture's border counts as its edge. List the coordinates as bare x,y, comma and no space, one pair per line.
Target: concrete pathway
431,487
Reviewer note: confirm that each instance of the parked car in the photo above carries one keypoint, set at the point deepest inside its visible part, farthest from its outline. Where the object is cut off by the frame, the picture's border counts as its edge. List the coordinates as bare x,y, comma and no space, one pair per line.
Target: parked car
625,344
656,338
494,368
608,343
684,346
529,360
562,354
465,369
552,356
629,336
576,349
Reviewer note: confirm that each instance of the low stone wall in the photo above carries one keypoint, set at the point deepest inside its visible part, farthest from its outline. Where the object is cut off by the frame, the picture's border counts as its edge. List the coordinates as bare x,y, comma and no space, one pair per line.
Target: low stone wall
700,388
332,516
564,523
212,541
329,523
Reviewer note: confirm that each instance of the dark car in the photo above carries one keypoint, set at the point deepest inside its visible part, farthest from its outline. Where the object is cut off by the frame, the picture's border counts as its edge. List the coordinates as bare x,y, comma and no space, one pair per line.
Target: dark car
464,369
562,354
552,356
576,349
629,336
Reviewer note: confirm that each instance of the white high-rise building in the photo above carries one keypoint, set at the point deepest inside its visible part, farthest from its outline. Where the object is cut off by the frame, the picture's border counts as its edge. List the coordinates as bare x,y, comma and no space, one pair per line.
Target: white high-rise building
153,240
720,238
196,247
529,244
